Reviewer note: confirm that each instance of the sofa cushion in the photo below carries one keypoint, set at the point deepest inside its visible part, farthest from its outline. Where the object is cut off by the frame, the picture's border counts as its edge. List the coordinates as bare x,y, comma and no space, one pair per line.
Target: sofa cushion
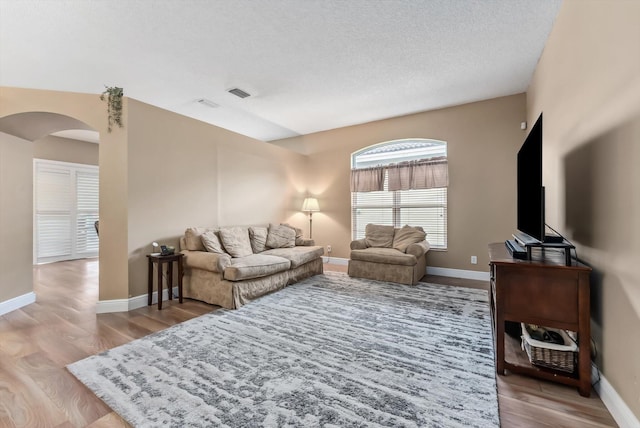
236,241
297,255
258,238
255,266
193,238
379,236
406,236
384,255
212,243
281,237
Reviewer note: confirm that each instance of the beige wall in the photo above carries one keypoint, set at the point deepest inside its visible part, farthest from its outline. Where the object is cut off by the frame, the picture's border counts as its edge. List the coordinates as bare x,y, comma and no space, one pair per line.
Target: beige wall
587,83
183,172
16,220
482,140
66,150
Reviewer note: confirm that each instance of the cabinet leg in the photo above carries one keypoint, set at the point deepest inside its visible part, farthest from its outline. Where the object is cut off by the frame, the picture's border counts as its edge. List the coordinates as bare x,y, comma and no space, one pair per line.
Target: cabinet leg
584,363
500,346
585,389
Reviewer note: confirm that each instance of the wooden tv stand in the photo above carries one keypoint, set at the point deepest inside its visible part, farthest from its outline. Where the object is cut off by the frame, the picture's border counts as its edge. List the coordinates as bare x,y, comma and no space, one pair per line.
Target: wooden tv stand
546,292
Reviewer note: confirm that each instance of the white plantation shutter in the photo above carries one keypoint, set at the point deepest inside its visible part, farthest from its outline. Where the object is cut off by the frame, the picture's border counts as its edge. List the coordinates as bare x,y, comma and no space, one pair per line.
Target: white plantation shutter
65,209
87,212
53,196
416,207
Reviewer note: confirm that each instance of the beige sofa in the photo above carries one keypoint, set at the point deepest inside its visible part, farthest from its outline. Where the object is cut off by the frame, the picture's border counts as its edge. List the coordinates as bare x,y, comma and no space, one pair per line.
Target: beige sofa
232,266
390,254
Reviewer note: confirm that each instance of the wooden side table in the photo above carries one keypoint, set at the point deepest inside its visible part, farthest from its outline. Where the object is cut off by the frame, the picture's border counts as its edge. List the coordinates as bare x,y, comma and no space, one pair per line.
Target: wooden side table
160,260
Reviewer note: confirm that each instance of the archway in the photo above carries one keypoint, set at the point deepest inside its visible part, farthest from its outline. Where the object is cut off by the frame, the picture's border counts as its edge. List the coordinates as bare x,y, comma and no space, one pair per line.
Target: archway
34,125
17,188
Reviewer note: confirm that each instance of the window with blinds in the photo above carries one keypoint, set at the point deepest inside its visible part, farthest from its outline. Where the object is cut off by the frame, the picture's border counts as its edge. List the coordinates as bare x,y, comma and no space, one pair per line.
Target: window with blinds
416,207
65,210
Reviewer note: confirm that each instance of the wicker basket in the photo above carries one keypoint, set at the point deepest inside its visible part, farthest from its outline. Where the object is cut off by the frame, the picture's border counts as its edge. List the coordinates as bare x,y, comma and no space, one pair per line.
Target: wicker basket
544,354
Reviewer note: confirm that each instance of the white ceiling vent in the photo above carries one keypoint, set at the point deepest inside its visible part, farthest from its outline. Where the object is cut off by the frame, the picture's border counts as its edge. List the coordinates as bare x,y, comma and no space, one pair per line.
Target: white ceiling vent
208,103
239,93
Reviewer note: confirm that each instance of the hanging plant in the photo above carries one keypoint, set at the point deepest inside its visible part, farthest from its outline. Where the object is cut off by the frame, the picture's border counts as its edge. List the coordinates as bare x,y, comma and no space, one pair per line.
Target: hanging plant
113,95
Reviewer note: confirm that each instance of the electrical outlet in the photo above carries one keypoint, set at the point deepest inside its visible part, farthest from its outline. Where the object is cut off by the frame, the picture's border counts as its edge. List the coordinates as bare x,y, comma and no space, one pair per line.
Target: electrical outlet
328,248
474,260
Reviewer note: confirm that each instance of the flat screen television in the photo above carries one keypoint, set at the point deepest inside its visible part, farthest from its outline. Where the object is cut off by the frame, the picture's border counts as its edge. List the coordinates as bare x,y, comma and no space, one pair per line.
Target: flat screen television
530,190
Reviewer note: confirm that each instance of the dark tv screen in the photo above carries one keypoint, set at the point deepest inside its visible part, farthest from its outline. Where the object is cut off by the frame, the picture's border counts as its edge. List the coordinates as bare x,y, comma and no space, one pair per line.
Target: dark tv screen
530,191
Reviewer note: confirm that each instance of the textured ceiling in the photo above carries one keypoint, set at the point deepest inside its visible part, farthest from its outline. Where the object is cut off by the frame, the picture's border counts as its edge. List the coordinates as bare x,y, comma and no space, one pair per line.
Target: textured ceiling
310,65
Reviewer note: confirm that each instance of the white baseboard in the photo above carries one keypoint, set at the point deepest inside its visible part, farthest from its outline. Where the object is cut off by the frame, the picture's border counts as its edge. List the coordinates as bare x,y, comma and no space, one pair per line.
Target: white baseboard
115,305
17,302
124,305
458,273
622,414
335,260
454,273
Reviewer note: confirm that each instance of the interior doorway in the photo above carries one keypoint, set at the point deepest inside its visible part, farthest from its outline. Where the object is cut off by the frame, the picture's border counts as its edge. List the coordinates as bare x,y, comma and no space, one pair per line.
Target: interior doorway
40,135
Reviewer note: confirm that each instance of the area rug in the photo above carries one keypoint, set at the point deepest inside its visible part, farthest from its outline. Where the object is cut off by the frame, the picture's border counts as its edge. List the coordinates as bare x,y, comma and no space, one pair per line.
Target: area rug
330,351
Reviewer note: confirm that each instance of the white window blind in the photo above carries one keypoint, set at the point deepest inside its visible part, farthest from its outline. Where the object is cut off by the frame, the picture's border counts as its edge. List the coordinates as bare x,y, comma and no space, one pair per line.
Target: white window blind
65,209
419,207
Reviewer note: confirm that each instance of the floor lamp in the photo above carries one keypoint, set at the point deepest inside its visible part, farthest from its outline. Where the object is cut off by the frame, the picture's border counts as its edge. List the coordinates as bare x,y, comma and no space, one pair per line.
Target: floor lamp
310,205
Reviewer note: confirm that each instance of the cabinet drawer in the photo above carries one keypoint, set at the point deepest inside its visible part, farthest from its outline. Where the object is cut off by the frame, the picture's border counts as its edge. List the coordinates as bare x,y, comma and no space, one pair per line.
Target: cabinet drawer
544,294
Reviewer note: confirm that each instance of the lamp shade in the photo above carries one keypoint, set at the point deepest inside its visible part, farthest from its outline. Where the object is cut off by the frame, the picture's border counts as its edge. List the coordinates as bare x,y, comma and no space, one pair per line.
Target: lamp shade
310,205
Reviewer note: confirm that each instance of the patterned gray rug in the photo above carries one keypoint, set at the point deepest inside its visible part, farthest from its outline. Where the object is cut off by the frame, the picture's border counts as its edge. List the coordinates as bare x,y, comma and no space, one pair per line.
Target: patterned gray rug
330,351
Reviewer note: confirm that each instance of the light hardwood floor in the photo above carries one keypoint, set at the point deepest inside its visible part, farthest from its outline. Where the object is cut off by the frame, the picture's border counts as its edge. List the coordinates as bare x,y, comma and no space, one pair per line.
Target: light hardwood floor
39,340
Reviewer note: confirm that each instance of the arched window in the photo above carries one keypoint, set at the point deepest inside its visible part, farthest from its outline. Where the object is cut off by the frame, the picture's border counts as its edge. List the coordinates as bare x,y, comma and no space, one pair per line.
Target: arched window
416,172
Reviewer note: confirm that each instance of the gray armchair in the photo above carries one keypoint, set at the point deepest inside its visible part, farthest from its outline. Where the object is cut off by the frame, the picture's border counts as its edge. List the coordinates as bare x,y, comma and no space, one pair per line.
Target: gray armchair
390,254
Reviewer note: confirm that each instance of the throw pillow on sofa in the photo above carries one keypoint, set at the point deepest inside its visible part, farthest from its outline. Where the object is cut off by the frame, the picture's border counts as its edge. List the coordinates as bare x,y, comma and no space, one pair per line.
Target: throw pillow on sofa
379,236
258,238
296,229
299,236
406,236
212,243
193,238
236,241
281,237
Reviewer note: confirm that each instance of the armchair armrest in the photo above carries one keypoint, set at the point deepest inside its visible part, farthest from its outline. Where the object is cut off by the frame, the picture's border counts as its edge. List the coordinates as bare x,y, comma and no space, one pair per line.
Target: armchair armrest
358,244
418,249
212,262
